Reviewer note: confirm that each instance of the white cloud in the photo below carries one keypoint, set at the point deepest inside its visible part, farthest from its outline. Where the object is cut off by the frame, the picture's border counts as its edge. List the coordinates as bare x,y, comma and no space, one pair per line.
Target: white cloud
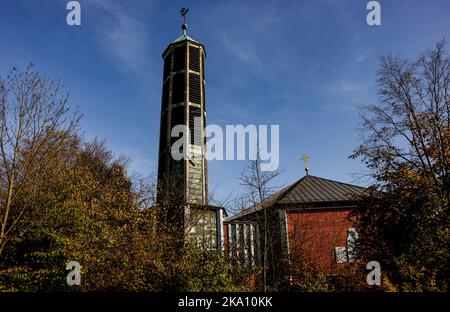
243,52
248,29
346,87
121,35
361,57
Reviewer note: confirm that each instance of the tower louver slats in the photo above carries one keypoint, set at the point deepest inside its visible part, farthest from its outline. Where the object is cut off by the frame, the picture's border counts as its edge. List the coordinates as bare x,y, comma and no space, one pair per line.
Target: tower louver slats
178,88
194,59
165,97
179,58
194,88
177,118
195,125
167,63
163,133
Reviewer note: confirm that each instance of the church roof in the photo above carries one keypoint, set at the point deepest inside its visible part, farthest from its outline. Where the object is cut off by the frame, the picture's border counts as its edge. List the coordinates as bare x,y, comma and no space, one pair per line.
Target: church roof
309,191
184,37
179,40
315,189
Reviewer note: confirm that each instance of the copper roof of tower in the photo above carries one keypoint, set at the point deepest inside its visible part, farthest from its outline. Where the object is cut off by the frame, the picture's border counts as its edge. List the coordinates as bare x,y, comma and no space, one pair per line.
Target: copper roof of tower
309,191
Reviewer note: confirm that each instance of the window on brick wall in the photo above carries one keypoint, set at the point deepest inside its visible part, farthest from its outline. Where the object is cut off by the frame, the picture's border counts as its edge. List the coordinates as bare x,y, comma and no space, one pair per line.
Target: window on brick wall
352,237
340,254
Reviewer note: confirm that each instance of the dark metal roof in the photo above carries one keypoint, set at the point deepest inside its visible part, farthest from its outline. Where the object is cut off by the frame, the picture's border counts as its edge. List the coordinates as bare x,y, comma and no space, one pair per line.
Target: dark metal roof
208,207
309,190
315,189
183,39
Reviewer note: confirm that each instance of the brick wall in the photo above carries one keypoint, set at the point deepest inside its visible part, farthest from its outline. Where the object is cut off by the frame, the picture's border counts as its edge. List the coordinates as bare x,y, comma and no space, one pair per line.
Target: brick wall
225,238
313,236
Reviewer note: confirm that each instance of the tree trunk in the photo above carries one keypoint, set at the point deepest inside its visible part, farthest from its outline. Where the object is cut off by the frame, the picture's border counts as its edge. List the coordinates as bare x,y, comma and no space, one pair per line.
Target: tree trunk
5,218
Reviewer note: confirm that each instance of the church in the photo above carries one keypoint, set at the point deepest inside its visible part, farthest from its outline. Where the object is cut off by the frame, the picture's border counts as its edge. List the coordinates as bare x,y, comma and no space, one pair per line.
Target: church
308,221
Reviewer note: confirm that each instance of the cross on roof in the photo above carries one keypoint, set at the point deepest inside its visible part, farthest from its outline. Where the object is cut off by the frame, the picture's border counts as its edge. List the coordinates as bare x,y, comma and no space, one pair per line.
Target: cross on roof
184,12
305,161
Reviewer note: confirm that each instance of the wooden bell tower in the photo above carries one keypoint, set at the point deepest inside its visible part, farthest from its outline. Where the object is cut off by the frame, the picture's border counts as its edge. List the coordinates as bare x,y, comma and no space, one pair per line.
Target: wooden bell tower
183,103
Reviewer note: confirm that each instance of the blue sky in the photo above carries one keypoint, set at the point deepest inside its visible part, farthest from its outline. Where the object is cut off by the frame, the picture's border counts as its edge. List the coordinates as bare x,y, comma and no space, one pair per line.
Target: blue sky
305,65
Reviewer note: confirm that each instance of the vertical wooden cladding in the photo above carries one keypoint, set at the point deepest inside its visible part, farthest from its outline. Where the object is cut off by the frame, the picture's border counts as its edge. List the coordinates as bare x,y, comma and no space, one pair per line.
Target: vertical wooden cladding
194,88
194,58
241,242
203,85
204,98
203,67
179,58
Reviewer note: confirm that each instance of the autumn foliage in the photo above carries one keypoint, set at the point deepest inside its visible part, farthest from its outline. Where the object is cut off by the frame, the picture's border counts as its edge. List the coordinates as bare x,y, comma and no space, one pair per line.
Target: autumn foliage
64,199
404,217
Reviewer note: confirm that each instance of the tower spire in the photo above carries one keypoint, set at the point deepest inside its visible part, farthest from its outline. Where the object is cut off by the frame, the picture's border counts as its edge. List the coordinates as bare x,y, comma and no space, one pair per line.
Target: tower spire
184,12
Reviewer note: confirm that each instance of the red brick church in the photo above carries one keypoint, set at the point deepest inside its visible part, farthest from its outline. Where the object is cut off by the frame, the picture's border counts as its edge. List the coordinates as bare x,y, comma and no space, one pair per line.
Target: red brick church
307,222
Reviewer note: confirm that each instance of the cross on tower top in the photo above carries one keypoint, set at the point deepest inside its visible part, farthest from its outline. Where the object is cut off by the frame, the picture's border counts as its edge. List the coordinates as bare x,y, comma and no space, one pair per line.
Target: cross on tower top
305,159
184,12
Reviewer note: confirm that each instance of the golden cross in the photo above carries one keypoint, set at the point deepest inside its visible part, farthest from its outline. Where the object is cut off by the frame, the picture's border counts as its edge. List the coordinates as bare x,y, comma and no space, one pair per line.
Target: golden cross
305,160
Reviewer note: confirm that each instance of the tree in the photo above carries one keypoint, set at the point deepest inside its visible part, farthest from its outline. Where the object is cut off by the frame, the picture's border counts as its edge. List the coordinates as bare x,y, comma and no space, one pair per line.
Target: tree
63,199
403,220
258,187
87,209
34,118
83,210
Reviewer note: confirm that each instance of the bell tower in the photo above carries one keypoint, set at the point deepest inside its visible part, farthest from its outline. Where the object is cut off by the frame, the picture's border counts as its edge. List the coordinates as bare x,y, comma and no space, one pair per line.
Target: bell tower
183,103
